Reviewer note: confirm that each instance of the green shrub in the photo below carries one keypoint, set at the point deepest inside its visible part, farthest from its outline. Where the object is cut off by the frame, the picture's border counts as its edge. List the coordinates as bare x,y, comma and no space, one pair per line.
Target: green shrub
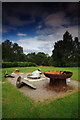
17,64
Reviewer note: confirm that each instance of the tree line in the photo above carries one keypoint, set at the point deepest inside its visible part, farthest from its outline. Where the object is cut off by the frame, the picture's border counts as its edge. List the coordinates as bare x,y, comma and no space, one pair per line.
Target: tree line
66,52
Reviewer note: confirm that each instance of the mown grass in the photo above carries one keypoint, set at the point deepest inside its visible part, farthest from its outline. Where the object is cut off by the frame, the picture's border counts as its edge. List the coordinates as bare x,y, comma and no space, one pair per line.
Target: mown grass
0,94
16,105
0,100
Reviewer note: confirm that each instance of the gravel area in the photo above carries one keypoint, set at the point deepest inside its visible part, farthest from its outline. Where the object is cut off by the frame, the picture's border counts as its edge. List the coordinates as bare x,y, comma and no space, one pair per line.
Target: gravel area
44,91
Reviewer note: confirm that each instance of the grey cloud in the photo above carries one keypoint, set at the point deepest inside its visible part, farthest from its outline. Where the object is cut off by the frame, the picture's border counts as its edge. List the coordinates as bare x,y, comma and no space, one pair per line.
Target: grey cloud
45,31
22,34
56,19
39,27
47,48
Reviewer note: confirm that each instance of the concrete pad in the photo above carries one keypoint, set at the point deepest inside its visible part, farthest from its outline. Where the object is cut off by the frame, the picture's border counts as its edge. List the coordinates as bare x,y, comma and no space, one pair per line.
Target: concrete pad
44,92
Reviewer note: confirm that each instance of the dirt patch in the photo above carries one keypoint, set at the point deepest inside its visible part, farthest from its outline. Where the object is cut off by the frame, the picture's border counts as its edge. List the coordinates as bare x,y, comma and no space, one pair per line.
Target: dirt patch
44,91
2,82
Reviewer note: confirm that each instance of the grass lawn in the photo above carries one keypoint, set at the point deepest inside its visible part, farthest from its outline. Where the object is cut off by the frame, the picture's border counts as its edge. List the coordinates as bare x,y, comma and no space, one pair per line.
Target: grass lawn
16,105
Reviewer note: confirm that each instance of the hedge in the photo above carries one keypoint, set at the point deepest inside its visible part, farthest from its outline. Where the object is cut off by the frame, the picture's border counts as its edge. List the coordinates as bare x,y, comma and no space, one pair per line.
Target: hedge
17,64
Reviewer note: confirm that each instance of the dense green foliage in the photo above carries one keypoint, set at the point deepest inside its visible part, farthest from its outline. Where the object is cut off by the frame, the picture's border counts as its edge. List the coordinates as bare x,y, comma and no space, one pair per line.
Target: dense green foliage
12,52
17,64
16,105
39,58
67,51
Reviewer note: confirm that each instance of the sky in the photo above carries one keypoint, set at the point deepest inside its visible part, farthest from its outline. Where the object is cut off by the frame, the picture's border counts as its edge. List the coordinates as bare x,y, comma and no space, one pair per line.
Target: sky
36,26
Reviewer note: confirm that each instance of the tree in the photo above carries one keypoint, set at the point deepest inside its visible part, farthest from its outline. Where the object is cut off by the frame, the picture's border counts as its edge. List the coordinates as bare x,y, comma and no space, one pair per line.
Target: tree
57,53
77,51
7,51
18,52
12,52
65,51
30,57
67,37
39,58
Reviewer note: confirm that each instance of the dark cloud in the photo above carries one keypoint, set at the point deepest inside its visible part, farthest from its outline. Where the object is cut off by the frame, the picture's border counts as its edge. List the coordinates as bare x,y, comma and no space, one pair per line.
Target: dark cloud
42,23
56,19
26,12
15,21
